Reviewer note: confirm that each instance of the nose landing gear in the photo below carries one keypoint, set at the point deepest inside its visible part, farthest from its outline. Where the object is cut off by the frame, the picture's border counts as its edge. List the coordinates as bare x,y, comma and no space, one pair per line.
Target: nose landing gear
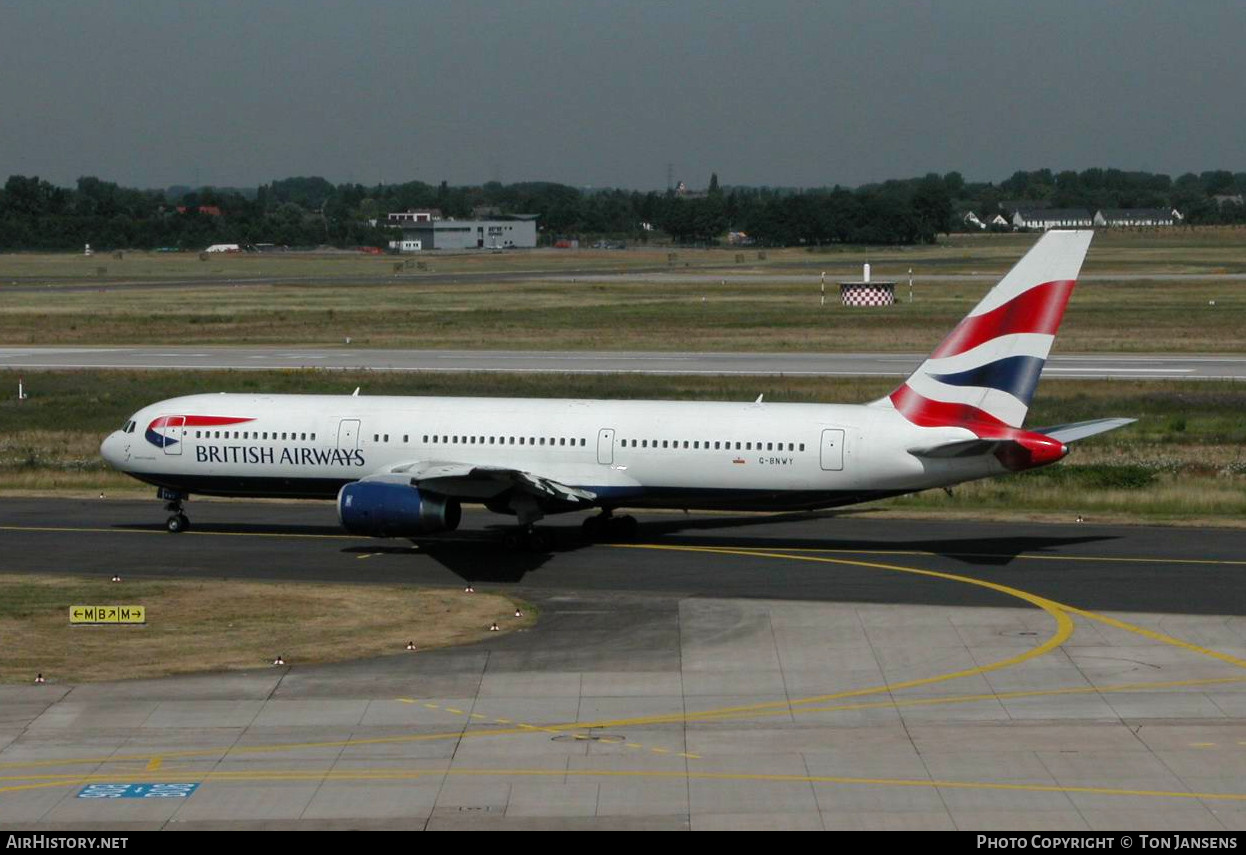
177,522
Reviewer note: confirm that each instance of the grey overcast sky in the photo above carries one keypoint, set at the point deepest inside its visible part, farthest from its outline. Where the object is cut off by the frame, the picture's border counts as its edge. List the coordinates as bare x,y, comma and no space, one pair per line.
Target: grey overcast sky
599,93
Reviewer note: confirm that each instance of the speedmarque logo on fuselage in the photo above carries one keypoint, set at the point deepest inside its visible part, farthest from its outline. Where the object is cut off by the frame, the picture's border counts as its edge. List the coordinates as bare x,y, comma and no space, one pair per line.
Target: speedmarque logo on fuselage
160,440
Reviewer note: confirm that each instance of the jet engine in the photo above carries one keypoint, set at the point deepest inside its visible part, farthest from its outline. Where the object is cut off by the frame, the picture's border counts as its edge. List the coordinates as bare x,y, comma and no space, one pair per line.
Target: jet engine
394,510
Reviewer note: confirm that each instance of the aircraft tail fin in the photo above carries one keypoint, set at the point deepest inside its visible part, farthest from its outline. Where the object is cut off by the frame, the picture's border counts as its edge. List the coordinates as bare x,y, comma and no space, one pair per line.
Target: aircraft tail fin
986,370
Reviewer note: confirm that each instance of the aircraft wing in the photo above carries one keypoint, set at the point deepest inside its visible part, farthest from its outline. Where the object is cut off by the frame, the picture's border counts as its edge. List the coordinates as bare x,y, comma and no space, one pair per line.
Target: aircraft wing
482,483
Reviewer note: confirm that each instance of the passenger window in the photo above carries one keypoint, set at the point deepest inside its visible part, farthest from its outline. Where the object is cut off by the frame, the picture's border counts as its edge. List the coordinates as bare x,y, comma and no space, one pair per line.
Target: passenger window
791,447
715,446
542,440
770,446
562,440
196,434
512,441
802,446
644,443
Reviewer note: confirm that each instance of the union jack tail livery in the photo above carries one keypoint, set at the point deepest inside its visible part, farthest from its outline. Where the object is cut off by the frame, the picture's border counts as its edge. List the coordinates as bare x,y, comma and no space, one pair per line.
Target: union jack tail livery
984,373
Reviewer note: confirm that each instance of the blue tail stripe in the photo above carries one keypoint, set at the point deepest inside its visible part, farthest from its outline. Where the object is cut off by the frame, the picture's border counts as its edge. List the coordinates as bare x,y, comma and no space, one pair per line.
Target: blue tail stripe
1016,375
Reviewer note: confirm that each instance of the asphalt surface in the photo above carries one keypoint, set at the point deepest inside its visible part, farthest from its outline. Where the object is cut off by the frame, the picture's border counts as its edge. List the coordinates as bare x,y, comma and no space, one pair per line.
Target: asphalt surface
1083,366
724,671
1131,568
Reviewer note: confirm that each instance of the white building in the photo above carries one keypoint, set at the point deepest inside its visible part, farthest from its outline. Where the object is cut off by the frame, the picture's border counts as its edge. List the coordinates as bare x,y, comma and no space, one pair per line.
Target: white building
1137,217
513,231
1052,218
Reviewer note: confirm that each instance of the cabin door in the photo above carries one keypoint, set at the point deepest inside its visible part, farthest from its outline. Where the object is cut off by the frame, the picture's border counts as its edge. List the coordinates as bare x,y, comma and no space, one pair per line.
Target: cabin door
348,434
605,446
832,449
174,432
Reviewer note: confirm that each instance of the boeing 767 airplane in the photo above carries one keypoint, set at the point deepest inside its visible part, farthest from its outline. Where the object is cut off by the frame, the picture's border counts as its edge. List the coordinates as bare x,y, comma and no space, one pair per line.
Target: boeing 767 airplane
401,466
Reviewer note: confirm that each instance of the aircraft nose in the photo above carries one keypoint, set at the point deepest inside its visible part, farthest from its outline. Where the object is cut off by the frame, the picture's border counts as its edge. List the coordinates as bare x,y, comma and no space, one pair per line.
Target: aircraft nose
108,448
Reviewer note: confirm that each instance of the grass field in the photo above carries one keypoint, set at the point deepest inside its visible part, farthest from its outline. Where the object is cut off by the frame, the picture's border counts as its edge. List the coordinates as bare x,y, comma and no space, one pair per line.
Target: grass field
1185,460
209,625
759,308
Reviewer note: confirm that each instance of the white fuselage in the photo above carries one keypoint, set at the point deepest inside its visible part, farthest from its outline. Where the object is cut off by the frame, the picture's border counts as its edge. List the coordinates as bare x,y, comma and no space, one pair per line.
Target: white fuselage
627,453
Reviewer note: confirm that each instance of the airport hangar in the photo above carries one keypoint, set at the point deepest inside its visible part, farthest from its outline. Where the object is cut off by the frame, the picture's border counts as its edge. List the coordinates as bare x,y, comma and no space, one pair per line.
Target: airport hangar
503,231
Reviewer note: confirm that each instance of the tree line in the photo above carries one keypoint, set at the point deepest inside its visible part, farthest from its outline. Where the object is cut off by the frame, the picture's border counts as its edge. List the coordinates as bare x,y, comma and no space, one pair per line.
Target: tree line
311,211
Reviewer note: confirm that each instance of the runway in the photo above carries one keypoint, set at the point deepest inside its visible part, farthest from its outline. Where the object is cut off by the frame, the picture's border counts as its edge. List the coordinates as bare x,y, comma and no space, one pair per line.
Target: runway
801,671
1085,366
656,275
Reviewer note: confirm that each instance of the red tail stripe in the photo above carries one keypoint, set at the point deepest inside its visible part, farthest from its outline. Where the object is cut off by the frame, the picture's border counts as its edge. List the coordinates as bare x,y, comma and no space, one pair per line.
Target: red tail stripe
924,412
1037,310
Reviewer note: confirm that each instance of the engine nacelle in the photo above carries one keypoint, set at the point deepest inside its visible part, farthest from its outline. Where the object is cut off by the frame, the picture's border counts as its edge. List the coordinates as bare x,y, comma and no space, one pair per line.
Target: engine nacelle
394,510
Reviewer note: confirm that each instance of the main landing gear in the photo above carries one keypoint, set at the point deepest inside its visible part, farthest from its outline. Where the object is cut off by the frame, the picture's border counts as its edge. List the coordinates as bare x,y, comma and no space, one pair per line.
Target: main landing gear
528,539
177,522
607,527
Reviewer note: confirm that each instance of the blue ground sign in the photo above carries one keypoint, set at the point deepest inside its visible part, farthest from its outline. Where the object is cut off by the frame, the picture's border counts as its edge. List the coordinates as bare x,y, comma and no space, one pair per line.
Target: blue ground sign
137,791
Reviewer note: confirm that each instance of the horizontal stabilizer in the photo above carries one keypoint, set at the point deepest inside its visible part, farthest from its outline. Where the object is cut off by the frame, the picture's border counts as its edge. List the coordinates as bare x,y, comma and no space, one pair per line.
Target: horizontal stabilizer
1080,430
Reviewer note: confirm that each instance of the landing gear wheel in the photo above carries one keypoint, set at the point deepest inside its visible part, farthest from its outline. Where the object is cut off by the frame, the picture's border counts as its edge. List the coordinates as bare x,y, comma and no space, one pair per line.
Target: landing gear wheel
177,521
594,527
624,528
540,541
528,540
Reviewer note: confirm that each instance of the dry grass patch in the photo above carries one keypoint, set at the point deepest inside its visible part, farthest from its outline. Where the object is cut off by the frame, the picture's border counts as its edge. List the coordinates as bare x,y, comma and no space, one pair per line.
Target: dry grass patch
209,625
755,308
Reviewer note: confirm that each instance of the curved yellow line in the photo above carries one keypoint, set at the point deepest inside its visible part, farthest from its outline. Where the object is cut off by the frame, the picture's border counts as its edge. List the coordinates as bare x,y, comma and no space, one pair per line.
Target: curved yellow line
1064,631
